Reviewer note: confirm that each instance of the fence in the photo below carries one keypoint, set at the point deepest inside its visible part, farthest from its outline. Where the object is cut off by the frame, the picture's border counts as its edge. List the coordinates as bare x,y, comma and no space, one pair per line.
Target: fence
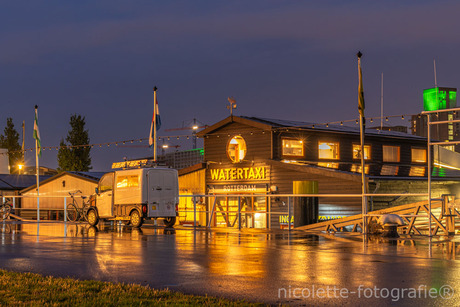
229,210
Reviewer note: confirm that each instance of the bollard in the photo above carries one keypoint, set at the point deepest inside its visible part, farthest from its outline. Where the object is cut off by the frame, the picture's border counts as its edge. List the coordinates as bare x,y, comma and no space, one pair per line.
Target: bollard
305,208
448,210
194,212
65,209
289,214
239,213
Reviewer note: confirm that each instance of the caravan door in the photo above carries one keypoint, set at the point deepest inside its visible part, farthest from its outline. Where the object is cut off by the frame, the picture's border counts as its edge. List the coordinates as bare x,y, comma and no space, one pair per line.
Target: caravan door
162,192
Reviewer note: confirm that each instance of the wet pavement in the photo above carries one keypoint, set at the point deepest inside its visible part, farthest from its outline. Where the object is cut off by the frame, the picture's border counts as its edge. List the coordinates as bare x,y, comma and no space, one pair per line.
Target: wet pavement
272,267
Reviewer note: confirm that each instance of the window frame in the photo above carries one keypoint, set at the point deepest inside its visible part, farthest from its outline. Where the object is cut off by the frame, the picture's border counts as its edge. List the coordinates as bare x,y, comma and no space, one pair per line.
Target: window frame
393,146
245,150
365,145
412,155
329,142
292,139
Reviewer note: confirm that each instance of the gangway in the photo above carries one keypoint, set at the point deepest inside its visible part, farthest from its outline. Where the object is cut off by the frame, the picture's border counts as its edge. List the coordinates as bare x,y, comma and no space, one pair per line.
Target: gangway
416,216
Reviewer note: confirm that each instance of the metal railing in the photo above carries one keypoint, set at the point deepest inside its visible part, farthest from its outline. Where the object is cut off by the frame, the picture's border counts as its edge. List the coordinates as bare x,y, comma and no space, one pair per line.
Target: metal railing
210,210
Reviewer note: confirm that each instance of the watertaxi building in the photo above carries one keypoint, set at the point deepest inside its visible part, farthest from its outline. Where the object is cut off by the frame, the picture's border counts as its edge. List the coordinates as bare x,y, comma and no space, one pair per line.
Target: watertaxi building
253,156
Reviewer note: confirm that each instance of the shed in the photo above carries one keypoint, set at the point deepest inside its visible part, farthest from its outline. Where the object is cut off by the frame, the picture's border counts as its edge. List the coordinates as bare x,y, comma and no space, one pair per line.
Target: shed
59,185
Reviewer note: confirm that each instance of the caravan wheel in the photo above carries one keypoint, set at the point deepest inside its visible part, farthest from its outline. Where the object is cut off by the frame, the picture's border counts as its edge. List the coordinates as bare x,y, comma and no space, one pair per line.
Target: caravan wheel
169,221
136,219
92,217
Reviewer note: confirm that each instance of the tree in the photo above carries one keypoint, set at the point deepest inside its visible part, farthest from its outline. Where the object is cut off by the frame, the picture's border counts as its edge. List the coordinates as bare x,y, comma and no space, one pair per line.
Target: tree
10,140
72,156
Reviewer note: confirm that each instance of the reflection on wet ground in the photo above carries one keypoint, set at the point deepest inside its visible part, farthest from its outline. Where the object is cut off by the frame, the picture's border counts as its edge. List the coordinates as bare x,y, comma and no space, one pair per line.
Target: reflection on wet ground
251,264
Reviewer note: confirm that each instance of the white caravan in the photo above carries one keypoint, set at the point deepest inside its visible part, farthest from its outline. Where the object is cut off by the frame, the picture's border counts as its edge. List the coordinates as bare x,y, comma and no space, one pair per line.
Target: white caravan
133,195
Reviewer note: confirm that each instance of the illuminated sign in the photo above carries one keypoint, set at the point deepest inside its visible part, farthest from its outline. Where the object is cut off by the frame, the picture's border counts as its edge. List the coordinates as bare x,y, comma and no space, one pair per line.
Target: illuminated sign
238,188
283,219
243,173
126,164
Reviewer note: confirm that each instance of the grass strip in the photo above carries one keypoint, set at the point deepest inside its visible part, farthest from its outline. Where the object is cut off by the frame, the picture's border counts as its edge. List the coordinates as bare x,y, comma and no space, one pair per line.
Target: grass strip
36,290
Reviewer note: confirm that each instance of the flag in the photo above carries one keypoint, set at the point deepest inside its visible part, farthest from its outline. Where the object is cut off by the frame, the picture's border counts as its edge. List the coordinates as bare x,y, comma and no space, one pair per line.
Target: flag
37,133
155,117
360,87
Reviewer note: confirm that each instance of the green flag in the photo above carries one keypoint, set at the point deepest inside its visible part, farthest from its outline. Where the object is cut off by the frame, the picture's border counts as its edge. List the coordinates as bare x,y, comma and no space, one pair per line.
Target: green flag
37,133
360,87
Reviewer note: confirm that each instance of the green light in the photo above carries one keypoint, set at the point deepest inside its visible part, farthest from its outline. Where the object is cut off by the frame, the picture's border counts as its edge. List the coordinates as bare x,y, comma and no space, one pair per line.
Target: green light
439,172
439,98
430,102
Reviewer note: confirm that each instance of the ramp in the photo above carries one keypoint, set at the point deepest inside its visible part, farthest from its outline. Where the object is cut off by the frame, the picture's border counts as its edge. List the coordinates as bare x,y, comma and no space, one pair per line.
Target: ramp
16,217
415,215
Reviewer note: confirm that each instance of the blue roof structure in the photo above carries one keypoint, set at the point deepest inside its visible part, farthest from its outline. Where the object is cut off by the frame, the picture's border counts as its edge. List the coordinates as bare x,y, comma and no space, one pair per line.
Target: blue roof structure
19,182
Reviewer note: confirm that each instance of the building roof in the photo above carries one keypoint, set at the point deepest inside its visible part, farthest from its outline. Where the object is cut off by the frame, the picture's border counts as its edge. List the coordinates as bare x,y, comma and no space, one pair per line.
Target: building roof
279,123
88,176
18,182
273,124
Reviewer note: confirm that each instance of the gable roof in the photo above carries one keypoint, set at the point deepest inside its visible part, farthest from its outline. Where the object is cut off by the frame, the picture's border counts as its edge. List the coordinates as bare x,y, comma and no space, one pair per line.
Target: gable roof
88,176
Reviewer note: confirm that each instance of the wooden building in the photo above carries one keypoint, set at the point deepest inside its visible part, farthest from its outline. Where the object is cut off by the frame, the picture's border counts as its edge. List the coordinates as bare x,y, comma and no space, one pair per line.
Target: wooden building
251,155
58,187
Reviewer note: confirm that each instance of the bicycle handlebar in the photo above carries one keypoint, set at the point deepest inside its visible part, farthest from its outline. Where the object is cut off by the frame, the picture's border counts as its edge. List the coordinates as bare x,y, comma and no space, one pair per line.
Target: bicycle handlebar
76,192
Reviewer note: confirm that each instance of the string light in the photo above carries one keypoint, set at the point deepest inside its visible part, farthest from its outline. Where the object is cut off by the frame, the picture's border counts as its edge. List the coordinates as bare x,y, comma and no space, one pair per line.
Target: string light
216,135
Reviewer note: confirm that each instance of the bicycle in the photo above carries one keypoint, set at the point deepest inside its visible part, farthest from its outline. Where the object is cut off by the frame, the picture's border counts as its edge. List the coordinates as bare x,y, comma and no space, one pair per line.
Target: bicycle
74,211
5,210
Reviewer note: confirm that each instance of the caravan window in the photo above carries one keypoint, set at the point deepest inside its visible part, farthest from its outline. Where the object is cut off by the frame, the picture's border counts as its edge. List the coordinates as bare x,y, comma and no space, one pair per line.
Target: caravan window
130,181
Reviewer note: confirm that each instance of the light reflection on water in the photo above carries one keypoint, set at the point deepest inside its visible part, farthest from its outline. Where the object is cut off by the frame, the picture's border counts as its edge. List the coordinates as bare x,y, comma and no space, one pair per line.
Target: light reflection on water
226,260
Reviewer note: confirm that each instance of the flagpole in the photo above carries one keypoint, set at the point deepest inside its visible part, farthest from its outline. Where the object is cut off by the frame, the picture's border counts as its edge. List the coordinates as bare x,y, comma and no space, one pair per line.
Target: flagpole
37,168
362,128
154,124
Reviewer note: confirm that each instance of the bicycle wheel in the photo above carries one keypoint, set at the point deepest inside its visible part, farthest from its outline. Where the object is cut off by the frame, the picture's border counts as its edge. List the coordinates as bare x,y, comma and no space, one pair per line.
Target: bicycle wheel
72,213
5,210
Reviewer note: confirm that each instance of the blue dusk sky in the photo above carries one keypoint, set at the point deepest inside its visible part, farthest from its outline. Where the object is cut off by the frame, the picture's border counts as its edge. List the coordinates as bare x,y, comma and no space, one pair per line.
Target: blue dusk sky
280,59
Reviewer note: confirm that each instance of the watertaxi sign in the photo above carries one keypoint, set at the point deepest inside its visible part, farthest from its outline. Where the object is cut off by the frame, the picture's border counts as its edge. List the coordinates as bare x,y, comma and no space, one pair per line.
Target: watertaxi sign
242,173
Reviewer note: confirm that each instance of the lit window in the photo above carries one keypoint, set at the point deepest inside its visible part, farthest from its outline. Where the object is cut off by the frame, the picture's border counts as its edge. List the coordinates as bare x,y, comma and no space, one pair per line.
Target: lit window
390,153
329,165
356,168
127,181
292,147
328,150
417,171
418,155
389,170
236,149
357,152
